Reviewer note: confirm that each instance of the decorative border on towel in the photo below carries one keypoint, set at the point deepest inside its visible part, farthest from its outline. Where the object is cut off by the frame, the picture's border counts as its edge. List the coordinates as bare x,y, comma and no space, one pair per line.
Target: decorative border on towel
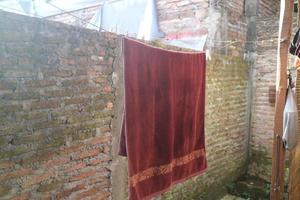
164,169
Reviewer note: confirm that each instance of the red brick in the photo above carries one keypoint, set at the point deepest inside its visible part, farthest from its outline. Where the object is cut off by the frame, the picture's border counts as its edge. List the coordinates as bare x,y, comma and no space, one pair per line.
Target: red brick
101,139
108,61
71,149
59,93
86,154
106,149
81,72
101,53
65,61
105,158
45,104
77,101
65,193
95,161
105,129
99,80
15,174
35,179
6,164
75,167
109,105
38,158
89,90
88,193
55,162
104,182
101,196
76,82
83,175
40,83
107,89
22,196
58,73
8,85
46,197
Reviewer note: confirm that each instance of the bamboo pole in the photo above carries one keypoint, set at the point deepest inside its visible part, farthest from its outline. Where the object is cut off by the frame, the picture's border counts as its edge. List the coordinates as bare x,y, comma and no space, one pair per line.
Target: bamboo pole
278,155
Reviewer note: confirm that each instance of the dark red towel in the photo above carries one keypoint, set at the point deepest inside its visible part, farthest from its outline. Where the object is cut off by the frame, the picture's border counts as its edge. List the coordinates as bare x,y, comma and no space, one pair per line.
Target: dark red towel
163,129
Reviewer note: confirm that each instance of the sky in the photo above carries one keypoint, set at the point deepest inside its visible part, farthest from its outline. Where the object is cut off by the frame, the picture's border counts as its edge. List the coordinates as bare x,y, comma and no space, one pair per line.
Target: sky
45,8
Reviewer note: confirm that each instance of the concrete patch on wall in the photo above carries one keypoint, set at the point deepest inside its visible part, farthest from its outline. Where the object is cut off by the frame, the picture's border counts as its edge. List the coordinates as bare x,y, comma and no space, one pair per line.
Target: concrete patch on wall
119,163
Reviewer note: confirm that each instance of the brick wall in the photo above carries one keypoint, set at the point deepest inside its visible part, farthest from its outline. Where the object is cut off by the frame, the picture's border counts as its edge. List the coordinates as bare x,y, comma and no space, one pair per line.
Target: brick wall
264,84
264,98
180,19
225,24
267,8
56,109
79,18
234,25
58,83
222,21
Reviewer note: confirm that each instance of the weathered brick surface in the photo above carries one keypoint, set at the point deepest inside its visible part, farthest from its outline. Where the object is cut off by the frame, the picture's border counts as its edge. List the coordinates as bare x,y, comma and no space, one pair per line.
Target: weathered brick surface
62,132
267,8
263,105
263,109
56,107
178,19
223,21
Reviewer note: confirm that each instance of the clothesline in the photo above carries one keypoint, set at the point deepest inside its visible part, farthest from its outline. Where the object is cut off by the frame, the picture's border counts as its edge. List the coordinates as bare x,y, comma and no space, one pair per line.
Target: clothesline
83,20
215,43
247,41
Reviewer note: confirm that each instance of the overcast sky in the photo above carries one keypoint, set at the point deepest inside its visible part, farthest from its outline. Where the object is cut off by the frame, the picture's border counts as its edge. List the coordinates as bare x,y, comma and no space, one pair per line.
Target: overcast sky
43,9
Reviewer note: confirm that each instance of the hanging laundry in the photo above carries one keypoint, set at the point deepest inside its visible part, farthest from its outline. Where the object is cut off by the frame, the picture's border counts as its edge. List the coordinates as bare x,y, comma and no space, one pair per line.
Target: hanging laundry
290,121
163,129
295,45
297,62
134,18
294,177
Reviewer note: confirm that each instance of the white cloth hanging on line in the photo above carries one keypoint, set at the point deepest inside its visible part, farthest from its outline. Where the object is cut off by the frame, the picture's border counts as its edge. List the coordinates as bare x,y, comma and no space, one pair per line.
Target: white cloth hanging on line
135,18
290,121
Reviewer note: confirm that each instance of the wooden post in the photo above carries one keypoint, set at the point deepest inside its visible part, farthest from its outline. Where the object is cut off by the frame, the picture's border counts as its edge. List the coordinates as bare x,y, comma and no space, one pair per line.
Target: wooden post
278,156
